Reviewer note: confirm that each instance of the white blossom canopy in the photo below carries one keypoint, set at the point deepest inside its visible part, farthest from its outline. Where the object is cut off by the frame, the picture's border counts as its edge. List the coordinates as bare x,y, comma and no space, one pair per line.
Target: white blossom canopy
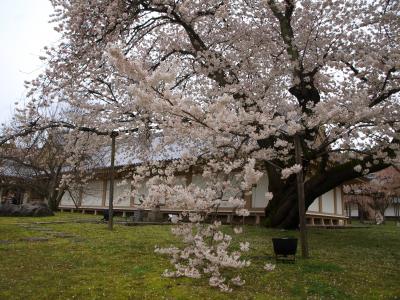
240,77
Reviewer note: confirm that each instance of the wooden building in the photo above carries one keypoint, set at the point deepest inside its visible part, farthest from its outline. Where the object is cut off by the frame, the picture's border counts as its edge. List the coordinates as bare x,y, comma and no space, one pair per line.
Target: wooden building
327,210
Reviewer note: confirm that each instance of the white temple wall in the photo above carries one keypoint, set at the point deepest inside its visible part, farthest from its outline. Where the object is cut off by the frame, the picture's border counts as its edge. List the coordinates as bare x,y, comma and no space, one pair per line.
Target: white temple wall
389,212
314,207
140,193
230,193
354,210
258,198
122,193
201,182
69,197
328,205
92,194
339,203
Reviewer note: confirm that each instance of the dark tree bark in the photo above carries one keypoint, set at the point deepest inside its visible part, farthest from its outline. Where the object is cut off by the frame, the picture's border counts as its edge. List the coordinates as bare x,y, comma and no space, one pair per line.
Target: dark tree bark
55,199
282,210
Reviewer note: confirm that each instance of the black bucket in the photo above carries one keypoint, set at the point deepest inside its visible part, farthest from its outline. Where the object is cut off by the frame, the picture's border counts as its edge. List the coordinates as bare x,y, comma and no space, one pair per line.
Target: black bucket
285,248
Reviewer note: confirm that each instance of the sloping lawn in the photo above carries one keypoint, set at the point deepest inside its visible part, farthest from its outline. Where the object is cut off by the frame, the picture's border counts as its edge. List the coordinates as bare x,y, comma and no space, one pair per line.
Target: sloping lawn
86,261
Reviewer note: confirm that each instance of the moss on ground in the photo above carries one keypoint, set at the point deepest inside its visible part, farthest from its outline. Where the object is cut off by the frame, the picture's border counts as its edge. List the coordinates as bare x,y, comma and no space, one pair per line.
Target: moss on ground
86,261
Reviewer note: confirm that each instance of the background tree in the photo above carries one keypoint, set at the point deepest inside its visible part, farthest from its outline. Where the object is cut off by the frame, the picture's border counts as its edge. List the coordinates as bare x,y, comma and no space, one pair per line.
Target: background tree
36,163
46,163
376,194
235,81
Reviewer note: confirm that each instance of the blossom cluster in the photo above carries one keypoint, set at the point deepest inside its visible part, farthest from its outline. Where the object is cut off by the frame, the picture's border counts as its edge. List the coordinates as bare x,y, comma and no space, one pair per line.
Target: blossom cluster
291,170
206,253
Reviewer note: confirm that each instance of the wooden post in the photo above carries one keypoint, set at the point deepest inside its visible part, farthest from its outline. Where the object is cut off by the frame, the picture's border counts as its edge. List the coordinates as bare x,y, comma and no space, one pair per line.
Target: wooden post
111,194
301,198
349,211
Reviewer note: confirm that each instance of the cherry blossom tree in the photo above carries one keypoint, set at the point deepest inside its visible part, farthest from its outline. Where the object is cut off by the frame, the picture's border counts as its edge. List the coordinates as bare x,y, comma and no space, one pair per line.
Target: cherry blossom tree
375,194
37,164
235,81
47,162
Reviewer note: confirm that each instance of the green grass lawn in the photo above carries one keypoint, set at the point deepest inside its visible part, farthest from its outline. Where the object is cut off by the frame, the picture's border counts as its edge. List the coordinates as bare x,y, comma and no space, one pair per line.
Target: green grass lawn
86,261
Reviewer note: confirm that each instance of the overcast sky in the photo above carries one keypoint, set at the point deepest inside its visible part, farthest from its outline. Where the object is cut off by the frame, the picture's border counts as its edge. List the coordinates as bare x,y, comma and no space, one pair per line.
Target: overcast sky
24,31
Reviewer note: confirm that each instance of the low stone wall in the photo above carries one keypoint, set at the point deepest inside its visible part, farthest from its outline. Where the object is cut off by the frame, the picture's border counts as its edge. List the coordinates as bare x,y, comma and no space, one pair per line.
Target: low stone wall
25,210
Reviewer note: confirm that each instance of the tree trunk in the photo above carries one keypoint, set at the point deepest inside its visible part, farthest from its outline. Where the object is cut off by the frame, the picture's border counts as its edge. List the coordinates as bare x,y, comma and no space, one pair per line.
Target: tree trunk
52,201
282,210
55,197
